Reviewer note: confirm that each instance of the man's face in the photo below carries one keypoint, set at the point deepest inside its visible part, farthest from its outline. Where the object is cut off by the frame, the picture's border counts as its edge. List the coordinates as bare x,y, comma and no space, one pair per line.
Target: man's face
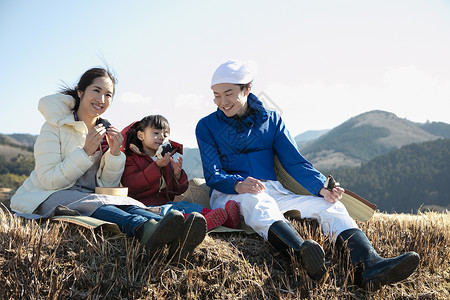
230,99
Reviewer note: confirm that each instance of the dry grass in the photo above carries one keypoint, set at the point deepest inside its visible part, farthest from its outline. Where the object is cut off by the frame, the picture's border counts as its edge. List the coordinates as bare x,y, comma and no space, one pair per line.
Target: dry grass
57,261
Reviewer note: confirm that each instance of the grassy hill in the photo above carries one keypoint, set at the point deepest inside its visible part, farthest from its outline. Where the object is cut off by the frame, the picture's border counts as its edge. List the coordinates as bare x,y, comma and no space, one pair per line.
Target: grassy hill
19,139
364,137
61,261
8,152
13,144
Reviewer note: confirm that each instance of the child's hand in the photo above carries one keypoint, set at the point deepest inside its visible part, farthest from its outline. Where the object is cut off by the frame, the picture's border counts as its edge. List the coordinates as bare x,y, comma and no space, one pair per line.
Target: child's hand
162,162
177,166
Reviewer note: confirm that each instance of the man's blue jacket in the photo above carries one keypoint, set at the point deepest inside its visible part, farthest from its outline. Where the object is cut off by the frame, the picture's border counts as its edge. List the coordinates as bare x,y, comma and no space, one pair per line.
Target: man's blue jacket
233,148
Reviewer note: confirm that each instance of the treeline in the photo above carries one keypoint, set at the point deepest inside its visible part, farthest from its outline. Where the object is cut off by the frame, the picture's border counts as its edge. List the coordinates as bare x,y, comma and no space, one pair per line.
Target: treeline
405,179
13,172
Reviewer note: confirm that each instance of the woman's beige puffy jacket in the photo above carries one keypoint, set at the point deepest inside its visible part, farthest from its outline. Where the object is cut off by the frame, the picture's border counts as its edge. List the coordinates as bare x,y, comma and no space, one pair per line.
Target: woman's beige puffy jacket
60,158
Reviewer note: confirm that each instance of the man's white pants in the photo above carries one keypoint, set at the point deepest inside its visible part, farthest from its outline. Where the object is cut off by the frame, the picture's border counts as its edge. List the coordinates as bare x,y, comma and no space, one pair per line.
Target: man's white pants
261,210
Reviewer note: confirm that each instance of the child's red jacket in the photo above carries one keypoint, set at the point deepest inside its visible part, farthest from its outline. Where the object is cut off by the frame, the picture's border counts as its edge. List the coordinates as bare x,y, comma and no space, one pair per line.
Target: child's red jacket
147,182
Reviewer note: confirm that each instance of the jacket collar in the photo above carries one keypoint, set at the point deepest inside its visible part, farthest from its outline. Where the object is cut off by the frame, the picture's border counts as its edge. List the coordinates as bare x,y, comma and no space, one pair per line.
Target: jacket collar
135,150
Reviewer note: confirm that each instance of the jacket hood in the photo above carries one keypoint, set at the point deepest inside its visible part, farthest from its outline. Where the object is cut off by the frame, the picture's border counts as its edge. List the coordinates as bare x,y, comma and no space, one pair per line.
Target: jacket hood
57,109
125,136
135,149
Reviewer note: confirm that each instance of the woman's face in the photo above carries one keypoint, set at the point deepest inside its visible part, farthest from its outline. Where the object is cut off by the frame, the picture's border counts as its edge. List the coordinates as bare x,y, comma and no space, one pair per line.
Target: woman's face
97,97
152,138
230,99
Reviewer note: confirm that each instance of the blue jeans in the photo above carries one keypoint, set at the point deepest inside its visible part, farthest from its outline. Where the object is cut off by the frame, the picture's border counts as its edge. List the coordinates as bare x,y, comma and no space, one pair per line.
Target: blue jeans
127,217
184,207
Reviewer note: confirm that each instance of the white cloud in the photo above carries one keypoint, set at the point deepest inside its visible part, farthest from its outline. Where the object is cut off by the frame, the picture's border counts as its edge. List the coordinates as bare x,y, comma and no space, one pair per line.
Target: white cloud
194,101
129,107
134,98
192,106
189,108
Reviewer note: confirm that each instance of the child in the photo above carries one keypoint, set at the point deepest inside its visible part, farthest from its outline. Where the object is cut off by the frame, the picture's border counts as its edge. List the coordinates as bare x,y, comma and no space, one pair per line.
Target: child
155,181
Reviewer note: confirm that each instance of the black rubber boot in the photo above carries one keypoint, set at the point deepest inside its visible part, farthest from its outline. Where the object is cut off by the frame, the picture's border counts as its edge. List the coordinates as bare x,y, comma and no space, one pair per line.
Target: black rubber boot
283,237
154,236
193,234
373,271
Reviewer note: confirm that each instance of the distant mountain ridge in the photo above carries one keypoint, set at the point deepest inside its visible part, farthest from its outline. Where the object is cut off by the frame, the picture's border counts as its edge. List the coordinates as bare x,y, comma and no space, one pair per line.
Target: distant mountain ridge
350,144
307,137
13,144
19,140
366,136
436,128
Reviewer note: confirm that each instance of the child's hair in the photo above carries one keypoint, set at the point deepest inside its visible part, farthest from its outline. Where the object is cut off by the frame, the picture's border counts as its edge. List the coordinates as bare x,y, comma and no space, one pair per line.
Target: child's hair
153,121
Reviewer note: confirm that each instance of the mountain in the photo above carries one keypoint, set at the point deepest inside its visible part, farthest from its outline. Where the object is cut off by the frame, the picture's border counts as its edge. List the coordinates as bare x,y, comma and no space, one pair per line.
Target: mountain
404,179
22,141
366,136
12,145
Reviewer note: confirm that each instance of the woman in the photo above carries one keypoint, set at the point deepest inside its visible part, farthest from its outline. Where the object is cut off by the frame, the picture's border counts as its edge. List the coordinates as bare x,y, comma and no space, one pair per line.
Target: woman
237,145
76,151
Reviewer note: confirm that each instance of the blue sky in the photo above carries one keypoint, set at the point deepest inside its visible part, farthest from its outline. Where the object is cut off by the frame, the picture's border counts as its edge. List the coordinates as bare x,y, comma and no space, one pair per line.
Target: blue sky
319,62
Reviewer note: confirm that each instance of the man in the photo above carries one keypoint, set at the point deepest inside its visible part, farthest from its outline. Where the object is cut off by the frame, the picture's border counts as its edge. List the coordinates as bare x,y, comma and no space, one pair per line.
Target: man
238,144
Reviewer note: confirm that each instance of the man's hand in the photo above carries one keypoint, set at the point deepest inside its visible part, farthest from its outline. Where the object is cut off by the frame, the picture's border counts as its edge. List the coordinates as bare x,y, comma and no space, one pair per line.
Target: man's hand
333,195
249,185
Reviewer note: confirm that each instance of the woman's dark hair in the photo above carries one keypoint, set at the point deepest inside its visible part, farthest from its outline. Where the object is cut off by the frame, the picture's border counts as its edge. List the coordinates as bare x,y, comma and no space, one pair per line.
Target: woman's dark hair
86,80
154,121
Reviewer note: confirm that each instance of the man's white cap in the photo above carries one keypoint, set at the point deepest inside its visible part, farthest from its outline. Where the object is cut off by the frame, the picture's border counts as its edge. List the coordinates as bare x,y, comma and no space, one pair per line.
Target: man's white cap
234,71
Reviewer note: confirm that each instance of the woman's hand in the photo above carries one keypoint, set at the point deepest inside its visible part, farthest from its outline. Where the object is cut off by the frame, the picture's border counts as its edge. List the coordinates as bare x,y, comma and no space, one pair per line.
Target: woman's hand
93,139
115,139
249,185
332,196
177,166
